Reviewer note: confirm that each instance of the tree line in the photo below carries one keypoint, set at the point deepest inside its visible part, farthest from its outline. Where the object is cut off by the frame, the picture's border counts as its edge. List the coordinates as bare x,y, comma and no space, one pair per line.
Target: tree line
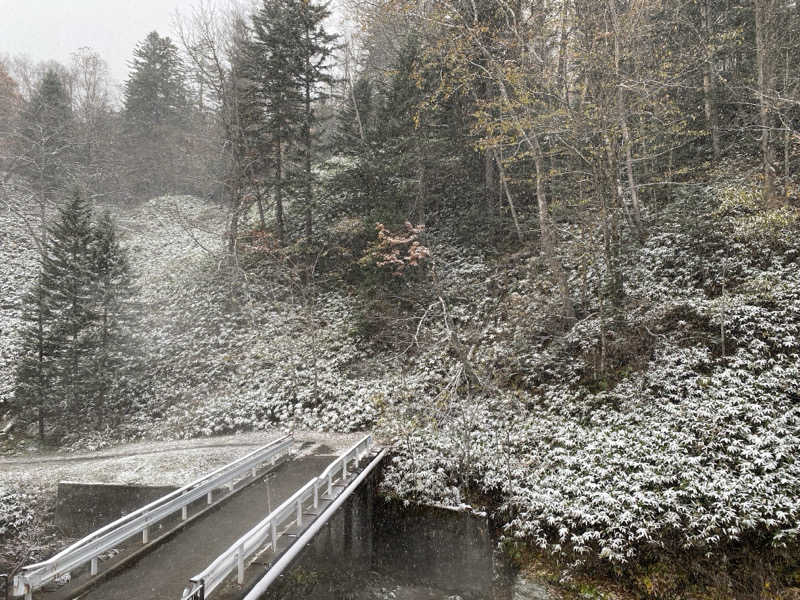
521,125
542,122
247,129
61,127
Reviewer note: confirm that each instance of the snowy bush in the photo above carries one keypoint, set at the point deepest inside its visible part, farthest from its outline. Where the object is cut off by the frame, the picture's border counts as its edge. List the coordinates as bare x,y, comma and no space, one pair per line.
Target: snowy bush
18,268
16,514
692,444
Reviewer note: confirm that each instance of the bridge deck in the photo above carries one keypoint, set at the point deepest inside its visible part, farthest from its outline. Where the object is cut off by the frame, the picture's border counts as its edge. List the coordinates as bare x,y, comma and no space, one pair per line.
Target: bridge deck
163,572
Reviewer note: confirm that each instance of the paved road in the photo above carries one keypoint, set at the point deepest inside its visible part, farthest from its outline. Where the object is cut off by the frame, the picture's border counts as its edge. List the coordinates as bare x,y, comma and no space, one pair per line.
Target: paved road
163,573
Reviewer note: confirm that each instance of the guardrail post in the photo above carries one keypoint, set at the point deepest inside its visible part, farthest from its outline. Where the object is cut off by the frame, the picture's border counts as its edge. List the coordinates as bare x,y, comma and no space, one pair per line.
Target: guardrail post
316,494
299,519
274,534
198,594
330,485
240,565
153,513
344,469
230,487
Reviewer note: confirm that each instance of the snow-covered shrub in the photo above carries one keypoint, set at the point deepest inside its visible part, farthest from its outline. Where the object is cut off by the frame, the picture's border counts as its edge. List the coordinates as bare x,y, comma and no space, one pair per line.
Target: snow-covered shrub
16,514
18,268
691,450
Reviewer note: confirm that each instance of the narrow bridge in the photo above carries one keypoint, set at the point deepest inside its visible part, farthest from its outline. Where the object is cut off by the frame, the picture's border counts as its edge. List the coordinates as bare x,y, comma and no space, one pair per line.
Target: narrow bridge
228,535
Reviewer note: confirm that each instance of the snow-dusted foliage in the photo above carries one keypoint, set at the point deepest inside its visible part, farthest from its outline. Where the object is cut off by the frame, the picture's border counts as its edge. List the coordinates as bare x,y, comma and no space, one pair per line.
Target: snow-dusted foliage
224,351
673,429
18,268
684,440
16,513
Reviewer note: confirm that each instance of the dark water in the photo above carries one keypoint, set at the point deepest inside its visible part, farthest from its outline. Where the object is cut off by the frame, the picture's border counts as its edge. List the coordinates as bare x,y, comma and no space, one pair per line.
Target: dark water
386,588
373,586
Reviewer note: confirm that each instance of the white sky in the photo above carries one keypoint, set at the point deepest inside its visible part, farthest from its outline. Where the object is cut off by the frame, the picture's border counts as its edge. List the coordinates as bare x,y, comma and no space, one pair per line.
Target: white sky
53,29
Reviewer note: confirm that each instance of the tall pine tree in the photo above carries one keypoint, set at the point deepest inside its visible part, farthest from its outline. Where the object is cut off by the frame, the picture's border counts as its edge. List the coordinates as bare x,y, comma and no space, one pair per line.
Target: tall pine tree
290,64
155,114
314,51
107,334
67,273
275,66
74,321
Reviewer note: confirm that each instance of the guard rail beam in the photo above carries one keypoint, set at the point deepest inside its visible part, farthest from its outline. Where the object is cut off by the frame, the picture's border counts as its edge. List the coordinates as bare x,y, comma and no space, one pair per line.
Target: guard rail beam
235,558
88,549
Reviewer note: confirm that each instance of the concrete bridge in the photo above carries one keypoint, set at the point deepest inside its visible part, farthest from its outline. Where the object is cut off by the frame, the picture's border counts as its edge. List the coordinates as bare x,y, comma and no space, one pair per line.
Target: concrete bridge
229,535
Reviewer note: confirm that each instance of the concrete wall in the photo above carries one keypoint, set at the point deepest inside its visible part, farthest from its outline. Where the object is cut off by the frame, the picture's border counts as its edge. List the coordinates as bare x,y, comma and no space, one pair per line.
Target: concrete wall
415,545
84,507
346,541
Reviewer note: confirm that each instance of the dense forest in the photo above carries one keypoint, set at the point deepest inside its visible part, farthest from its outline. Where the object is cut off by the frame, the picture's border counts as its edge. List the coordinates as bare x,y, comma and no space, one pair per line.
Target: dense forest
548,251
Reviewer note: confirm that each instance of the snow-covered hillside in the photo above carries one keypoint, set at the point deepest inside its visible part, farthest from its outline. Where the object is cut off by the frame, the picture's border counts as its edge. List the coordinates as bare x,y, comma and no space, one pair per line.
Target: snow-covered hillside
688,446
18,267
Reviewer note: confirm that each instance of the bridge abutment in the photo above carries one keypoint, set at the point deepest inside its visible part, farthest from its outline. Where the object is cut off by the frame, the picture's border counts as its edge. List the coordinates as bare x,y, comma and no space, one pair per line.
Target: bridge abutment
417,545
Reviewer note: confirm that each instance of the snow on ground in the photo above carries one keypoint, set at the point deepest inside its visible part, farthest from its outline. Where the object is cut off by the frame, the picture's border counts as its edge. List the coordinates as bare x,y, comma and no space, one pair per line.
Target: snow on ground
150,463
18,261
704,435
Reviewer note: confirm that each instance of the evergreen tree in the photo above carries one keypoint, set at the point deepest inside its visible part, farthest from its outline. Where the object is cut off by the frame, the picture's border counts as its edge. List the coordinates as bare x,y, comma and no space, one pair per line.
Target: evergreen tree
67,275
246,134
290,64
74,319
155,93
112,296
47,140
315,48
275,66
155,113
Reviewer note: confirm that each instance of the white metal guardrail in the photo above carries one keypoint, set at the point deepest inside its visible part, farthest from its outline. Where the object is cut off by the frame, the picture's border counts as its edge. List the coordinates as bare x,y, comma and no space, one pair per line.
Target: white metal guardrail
88,549
271,528
279,566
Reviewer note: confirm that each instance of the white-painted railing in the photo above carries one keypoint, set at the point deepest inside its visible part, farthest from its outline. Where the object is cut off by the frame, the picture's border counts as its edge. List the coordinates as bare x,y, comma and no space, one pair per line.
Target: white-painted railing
267,532
88,549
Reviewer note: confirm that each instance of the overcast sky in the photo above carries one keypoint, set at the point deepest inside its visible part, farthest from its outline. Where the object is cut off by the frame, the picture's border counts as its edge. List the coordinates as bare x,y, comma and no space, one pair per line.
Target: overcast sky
53,29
